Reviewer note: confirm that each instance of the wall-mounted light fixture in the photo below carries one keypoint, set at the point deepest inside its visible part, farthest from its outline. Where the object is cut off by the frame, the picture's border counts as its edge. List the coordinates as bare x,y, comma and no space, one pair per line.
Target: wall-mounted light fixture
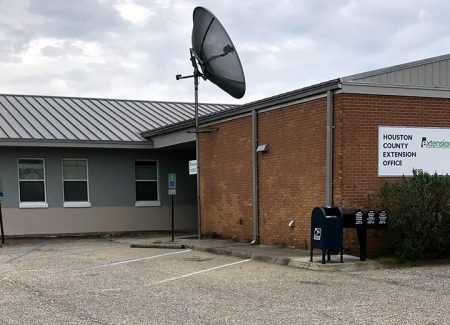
263,148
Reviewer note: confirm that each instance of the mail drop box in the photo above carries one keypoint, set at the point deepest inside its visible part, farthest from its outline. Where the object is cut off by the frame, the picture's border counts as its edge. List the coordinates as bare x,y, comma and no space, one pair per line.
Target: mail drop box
326,230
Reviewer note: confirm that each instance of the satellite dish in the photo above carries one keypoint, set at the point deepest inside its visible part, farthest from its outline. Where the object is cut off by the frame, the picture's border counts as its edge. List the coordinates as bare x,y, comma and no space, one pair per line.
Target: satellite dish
216,54
212,50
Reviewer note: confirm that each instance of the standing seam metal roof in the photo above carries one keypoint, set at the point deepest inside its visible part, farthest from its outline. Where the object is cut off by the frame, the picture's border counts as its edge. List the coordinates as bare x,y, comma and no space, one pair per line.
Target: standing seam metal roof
50,118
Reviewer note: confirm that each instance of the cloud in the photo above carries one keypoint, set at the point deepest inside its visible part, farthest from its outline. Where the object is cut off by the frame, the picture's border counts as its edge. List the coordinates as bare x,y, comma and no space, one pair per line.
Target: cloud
134,48
66,49
131,11
80,19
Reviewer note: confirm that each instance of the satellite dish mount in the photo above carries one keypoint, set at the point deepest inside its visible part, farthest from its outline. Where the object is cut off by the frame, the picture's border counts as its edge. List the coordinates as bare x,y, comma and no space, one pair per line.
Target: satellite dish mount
213,57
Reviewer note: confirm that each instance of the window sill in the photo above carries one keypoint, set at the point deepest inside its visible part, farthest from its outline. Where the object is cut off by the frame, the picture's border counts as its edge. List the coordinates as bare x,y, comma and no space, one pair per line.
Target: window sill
77,204
147,204
33,205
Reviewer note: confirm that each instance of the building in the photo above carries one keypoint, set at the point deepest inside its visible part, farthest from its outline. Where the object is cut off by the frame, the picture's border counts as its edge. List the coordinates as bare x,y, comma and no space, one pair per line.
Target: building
78,165
263,166
267,164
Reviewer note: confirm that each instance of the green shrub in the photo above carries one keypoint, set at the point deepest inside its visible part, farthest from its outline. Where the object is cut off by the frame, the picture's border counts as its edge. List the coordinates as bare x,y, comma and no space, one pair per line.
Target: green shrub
419,216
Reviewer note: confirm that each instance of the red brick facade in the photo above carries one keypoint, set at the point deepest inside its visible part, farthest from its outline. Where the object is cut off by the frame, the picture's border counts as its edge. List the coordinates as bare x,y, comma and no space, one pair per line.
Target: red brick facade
226,180
357,118
292,173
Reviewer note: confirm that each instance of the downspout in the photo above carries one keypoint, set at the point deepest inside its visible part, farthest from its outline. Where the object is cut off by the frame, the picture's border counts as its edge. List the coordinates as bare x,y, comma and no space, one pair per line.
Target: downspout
255,178
329,149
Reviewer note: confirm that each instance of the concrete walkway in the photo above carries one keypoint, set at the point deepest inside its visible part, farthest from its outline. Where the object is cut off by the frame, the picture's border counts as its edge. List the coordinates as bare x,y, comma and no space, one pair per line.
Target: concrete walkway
267,253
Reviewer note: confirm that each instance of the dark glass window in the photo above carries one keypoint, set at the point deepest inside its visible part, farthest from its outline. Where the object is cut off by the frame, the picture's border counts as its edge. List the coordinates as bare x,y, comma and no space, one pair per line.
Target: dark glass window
75,191
146,174
31,180
75,178
32,191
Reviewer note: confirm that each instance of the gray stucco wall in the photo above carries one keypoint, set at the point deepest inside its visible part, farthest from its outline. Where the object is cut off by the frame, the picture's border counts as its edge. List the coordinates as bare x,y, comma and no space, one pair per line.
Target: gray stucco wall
111,185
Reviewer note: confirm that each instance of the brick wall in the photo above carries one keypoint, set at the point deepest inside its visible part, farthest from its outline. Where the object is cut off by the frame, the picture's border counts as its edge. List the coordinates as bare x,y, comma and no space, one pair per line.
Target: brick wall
292,174
357,118
226,180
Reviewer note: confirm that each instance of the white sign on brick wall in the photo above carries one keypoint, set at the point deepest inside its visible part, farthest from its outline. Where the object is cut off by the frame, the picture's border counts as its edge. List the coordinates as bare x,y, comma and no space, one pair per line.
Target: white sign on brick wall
192,167
404,149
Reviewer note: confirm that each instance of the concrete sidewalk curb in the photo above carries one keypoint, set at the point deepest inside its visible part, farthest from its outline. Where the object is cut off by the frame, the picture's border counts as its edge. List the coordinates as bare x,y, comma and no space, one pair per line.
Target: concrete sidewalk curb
296,262
351,263
159,245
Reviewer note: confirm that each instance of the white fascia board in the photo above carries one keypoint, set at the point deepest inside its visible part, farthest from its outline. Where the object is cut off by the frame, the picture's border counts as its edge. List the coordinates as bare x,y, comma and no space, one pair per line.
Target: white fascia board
173,138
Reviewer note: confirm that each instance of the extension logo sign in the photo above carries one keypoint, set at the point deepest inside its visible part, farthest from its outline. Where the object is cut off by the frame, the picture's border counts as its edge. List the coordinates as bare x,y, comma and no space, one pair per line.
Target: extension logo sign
439,144
402,150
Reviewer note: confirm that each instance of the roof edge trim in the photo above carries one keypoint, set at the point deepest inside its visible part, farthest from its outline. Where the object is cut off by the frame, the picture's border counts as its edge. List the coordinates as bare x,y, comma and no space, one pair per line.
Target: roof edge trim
257,105
75,144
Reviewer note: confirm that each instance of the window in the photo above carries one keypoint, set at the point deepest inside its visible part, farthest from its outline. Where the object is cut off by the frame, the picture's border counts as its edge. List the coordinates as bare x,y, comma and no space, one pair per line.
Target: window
75,183
146,173
32,183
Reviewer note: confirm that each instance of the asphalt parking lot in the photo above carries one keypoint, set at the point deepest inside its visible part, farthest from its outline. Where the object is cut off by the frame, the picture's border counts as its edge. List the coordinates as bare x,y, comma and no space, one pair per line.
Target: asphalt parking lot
104,281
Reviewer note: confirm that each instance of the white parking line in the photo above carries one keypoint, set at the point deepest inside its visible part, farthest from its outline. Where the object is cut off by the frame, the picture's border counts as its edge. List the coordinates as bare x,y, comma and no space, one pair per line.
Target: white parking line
202,271
113,263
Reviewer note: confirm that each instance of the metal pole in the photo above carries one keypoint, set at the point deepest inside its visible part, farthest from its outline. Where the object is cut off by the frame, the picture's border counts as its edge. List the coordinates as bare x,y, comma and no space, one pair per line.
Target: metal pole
173,228
362,239
1,224
197,155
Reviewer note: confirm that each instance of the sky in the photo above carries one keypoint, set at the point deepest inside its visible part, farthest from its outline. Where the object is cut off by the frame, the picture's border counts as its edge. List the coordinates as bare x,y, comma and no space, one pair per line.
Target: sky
133,49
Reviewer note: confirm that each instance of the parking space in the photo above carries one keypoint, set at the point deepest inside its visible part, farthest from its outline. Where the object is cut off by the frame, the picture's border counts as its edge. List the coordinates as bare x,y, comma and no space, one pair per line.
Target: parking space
101,281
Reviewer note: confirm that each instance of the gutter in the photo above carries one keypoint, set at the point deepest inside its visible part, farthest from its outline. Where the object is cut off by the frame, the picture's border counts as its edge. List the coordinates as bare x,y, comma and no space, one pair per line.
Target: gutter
329,150
255,191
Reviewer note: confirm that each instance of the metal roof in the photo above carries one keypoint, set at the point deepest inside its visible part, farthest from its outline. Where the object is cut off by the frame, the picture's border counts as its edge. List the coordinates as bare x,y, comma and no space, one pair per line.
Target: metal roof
90,120
431,72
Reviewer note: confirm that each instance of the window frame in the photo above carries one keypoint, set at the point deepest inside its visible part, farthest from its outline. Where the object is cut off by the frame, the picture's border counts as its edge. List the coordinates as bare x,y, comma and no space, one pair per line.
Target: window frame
76,204
37,204
155,203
